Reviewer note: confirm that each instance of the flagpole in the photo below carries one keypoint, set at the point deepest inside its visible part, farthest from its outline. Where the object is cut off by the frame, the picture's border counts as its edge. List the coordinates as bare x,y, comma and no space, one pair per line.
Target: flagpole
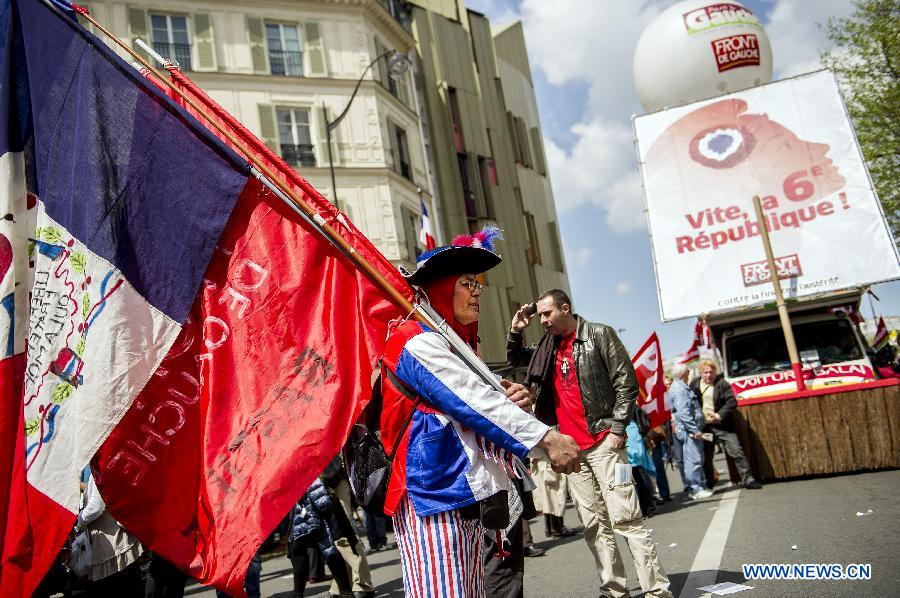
779,297
294,197
421,311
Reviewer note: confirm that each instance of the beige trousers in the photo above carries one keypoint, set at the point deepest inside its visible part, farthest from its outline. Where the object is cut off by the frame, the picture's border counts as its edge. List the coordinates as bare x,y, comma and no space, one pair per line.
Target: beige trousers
357,563
550,494
606,508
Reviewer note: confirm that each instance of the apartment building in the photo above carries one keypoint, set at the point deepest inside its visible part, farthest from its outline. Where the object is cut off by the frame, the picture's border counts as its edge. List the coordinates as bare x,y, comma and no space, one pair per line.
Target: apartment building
484,136
459,129
285,68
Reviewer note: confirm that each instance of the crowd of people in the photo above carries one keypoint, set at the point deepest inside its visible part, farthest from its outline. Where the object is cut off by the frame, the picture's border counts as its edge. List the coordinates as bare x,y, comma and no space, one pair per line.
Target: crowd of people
459,495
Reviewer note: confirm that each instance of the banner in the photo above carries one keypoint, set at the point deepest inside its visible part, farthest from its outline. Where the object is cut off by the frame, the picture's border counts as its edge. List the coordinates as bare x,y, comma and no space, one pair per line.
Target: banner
648,366
792,144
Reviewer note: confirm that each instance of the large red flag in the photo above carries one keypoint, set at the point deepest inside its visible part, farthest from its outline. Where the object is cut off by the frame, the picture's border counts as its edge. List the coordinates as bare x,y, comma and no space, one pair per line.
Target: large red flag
648,366
260,389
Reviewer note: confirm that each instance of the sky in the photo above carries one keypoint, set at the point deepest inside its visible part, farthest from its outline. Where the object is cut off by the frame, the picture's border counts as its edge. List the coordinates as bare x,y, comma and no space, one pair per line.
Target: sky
581,59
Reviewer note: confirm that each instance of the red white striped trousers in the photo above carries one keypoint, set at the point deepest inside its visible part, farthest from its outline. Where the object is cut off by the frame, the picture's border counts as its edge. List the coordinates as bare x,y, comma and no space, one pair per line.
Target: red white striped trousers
440,554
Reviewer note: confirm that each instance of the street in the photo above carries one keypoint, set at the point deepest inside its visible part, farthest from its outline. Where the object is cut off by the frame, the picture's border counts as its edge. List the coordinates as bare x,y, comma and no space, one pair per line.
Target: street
706,542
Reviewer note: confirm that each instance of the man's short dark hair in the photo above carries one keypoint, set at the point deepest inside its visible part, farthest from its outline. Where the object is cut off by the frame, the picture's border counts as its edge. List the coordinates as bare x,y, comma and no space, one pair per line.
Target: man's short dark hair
560,298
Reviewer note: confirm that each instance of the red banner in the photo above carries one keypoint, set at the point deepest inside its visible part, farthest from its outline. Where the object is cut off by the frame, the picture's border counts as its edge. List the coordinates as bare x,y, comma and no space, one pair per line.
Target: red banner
259,391
648,366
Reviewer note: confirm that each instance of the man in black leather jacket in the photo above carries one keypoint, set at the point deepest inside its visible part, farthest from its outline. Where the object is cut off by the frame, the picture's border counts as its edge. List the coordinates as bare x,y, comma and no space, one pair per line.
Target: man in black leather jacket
584,383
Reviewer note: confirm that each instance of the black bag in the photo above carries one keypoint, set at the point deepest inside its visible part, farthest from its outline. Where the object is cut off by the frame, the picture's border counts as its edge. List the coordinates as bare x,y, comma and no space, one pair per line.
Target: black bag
370,465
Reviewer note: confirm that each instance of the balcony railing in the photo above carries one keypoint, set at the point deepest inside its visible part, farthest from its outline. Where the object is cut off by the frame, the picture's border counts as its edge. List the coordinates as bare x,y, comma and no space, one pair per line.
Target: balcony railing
298,155
287,63
179,52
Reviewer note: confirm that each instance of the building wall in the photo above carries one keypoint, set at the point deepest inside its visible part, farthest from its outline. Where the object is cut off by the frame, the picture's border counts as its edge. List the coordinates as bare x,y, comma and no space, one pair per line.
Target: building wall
338,40
475,82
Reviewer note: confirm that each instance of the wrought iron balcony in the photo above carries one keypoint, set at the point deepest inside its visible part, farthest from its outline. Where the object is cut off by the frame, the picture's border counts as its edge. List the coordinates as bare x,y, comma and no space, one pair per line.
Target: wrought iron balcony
178,52
286,63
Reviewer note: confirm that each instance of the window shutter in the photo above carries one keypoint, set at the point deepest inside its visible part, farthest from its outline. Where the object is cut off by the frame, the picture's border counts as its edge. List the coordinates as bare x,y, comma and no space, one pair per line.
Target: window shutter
314,49
137,28
205,42
325,112
256,33
537,146
392,140
267,129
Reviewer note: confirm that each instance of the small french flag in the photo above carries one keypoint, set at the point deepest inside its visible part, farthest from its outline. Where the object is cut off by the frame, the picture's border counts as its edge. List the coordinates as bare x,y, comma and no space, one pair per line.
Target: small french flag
426,236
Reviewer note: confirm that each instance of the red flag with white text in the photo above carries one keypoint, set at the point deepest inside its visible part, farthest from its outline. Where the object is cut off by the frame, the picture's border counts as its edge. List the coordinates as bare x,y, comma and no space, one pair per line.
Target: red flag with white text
259,391
648,366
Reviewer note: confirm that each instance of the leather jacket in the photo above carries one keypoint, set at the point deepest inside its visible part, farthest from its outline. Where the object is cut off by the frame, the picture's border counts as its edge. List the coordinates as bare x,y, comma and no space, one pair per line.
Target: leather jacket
605,376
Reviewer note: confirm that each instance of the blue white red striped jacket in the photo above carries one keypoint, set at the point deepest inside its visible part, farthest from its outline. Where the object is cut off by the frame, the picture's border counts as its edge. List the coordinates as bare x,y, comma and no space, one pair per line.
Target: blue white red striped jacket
457,447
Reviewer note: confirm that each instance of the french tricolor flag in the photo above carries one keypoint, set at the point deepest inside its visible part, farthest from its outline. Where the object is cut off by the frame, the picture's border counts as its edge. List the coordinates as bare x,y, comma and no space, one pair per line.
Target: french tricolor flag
163,316
426,235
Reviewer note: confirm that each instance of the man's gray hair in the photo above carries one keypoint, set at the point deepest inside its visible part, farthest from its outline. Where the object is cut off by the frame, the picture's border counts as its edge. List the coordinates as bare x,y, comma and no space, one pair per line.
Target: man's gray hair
679,371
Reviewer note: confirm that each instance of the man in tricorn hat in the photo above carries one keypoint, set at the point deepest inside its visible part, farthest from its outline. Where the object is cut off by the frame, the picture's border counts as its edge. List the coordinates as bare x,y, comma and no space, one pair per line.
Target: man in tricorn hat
458,445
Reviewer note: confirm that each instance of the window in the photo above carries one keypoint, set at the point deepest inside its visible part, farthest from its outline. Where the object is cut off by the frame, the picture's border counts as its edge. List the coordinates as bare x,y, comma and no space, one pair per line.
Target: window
534,249
763,351
455,120
491,166
401,153
484,171
540,163
283,43
411,228
465,177
294,136
521,137
169,35
384,76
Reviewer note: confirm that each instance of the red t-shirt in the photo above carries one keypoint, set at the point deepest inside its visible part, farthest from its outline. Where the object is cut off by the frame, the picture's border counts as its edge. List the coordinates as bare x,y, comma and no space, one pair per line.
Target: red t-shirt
569,408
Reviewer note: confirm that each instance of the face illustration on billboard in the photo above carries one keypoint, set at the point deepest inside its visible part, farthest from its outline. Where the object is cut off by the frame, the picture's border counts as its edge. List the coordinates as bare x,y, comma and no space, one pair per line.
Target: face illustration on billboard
707,148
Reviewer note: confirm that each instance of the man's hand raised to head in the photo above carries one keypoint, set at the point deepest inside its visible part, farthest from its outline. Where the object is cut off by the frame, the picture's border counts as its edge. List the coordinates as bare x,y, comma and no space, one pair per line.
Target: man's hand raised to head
520,320
562,451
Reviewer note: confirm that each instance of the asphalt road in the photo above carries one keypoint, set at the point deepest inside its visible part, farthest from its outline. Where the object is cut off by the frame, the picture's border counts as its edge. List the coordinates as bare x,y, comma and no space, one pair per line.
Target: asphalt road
706,542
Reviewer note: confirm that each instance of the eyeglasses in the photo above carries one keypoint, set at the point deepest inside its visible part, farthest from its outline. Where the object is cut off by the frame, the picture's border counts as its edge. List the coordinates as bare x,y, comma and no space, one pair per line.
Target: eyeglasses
472,285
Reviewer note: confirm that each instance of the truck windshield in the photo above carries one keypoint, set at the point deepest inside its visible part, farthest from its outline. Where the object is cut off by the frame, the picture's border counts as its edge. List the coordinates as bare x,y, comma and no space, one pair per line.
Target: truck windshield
764,351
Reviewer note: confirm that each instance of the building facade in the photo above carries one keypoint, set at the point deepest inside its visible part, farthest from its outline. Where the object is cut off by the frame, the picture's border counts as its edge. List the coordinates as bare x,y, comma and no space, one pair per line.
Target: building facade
459,130
485,140
282,67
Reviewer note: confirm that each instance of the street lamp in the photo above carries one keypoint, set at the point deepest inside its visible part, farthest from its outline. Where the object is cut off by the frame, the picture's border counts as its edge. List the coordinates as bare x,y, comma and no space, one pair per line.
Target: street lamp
398,63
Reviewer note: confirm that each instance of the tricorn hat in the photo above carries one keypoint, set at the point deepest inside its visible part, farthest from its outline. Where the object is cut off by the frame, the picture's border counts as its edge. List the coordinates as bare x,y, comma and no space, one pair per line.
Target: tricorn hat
468,254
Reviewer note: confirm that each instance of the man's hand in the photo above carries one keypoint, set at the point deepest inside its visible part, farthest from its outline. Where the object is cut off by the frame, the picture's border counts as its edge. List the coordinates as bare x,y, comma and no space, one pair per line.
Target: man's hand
520,321
616,441
518,394
562,451
715,418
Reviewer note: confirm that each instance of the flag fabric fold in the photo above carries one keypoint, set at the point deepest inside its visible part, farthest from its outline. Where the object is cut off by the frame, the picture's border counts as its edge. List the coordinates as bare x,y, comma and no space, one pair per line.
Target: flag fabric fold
261,388
162,312
109,239
426,235
648,366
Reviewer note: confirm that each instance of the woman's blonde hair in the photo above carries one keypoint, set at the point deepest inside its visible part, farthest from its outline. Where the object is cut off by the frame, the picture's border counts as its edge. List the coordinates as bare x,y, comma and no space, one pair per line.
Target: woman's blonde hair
710,363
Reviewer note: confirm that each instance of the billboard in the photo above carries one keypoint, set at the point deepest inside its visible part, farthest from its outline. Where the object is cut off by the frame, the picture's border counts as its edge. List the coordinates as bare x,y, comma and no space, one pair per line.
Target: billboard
789,142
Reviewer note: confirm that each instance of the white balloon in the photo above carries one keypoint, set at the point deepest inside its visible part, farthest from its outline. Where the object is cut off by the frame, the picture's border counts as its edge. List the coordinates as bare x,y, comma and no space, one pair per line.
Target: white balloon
698,49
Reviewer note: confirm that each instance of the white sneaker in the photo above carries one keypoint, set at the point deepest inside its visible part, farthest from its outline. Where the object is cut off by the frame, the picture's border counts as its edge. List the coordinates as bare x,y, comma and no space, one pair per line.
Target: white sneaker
701,494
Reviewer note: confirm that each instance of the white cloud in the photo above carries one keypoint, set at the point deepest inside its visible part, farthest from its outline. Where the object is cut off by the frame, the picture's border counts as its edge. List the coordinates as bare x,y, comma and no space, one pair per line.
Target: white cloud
624,288
579,258
793,27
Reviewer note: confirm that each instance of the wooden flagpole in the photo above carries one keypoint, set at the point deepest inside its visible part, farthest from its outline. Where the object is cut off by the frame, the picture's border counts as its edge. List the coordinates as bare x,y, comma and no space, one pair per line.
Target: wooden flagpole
294,197
796,365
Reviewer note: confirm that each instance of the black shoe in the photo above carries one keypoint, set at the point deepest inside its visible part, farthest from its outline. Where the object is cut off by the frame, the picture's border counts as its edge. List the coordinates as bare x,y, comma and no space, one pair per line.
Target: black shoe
752,485
532,551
